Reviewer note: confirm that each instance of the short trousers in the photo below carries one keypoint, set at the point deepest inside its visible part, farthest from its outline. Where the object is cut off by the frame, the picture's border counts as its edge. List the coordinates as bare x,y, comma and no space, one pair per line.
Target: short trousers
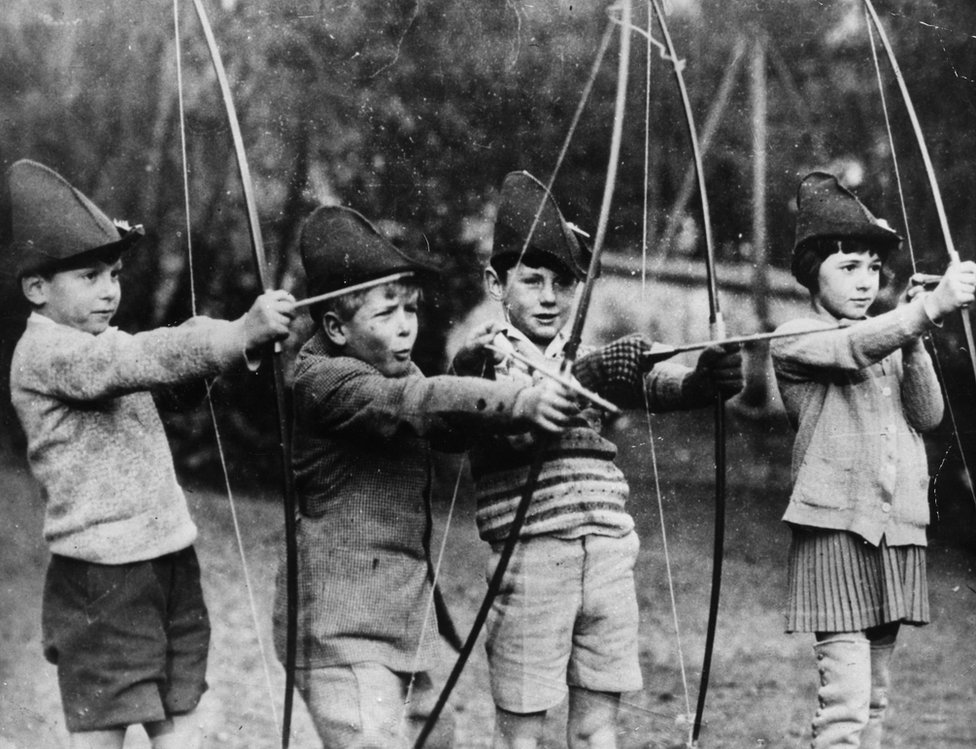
130,641
566,616
841,583
360,706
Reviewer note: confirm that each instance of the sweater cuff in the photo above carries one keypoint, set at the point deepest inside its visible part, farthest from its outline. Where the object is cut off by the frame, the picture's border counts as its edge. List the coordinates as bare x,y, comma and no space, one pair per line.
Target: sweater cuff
934,320
252,357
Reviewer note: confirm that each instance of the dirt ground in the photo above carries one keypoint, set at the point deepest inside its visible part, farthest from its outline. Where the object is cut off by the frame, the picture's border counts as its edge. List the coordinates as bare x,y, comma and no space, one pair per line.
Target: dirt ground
762,690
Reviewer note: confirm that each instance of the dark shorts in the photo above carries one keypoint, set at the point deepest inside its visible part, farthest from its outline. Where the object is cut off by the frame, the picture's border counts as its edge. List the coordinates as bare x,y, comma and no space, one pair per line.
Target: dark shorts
130,641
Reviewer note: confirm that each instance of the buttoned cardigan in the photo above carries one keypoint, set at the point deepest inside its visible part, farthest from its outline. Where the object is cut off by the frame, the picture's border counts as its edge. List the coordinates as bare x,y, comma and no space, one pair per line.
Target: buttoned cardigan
858,397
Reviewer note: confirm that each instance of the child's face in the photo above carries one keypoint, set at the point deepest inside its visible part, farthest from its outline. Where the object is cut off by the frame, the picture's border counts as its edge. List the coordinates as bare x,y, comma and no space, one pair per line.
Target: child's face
537,301
383,330
84,298
848,284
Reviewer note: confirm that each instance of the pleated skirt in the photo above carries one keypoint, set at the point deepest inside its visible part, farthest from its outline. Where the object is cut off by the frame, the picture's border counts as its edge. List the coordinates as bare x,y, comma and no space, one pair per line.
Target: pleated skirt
840,583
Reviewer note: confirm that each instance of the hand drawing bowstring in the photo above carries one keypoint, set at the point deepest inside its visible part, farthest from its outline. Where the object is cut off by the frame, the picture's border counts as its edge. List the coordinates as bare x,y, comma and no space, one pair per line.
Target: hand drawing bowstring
257,245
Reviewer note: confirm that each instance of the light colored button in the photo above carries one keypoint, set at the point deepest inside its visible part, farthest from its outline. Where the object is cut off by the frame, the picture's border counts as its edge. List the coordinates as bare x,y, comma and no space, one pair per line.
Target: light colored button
886,390
886,507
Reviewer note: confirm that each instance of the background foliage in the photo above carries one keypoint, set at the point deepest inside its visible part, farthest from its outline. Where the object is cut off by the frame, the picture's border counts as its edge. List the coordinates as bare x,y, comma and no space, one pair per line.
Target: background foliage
412,112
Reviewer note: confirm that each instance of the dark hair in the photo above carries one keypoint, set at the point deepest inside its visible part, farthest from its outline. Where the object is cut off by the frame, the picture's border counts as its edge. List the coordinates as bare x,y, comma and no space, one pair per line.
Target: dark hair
502,264
811,254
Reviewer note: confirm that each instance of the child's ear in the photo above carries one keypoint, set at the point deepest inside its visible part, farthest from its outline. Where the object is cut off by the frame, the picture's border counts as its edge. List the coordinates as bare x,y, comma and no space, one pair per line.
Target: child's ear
35,289
496,289
334,328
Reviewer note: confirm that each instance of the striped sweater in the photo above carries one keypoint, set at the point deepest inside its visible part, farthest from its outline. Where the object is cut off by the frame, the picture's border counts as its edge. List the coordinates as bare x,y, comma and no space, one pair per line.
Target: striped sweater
580,490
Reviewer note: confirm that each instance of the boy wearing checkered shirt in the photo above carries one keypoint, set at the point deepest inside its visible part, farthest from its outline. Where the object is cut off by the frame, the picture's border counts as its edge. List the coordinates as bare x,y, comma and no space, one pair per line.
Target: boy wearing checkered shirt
566,616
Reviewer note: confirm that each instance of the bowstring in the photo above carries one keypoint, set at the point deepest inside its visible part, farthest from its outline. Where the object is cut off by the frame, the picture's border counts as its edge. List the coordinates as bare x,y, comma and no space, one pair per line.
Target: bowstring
911,253
717,330
648,47
429,608
249,588
891,144
668,566
647,405
571,132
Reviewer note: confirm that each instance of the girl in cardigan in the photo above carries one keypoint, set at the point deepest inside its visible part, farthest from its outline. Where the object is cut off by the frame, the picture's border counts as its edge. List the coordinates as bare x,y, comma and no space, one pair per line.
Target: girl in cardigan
858,397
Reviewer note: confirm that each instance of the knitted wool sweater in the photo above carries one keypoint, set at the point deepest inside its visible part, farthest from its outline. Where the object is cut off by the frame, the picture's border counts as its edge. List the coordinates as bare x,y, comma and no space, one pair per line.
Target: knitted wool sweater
580,489
362,473
94,438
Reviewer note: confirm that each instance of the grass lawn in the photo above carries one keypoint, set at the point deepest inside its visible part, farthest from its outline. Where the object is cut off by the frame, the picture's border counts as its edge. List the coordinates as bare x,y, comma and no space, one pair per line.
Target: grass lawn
762,690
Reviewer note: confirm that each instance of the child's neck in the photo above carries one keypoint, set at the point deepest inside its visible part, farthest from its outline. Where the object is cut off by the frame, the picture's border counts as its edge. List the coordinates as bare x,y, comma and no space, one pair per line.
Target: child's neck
823,311
48,316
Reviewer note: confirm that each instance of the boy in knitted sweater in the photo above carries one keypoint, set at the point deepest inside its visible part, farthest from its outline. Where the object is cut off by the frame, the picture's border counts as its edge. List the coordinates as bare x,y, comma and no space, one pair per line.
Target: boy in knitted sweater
566,616
123,614
366,420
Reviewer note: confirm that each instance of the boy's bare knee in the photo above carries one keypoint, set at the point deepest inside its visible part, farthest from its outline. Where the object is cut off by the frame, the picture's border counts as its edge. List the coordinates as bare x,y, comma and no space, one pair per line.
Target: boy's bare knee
187,730
592,737
111,739
592,719
517,730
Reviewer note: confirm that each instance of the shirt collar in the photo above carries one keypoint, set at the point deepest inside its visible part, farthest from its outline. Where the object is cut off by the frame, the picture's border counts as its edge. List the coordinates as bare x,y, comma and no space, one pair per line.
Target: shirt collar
553,351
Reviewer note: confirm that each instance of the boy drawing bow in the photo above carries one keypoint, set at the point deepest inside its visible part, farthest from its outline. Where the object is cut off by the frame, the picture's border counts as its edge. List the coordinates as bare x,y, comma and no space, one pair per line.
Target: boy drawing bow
565,619
366,422
123,613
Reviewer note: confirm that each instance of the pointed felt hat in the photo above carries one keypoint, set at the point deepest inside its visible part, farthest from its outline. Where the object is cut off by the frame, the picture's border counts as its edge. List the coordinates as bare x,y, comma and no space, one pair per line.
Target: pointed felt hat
340,248
828,210
522,198
53,224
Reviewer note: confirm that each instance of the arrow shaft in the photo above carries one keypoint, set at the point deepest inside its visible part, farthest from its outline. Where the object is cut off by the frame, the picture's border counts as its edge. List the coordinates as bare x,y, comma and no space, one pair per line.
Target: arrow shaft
562,379
651,357
352,289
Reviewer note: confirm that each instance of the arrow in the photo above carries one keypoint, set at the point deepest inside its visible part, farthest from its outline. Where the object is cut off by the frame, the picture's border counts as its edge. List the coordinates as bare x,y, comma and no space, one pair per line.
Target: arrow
564,380
649,358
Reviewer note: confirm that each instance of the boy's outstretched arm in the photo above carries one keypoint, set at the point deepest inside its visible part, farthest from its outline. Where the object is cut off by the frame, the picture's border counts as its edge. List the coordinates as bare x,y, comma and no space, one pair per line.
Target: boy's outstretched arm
617,372
268,319
614,370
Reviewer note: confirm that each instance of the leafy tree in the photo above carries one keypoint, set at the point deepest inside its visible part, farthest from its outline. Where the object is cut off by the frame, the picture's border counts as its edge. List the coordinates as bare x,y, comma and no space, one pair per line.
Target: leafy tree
412,113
